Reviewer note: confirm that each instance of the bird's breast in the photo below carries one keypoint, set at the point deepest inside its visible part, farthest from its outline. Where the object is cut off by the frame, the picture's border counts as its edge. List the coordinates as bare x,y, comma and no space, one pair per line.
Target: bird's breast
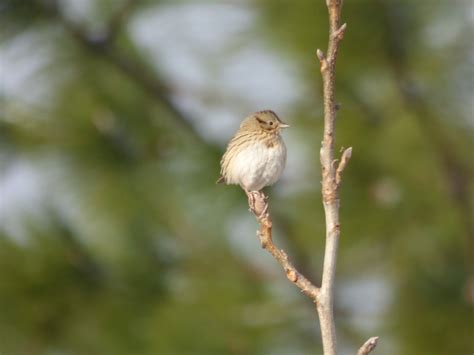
259,164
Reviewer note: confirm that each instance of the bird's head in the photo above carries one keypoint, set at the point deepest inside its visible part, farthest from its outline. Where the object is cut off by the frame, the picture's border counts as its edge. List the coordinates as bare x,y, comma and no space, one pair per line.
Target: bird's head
266,120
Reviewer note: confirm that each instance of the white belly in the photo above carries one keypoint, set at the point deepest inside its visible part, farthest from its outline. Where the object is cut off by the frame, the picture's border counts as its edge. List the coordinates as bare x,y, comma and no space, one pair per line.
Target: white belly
257,166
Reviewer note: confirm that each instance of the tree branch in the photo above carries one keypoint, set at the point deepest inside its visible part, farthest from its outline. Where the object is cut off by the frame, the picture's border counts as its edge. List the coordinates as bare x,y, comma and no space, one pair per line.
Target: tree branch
259,206
331,177
331,172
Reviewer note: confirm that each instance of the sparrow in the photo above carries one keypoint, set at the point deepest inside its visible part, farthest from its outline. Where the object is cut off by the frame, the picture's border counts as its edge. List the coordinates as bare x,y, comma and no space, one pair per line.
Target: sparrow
256,155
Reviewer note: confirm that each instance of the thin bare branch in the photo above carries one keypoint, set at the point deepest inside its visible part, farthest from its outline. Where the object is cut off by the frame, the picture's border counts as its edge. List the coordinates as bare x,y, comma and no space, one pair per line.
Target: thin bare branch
331,178
259,206
368,346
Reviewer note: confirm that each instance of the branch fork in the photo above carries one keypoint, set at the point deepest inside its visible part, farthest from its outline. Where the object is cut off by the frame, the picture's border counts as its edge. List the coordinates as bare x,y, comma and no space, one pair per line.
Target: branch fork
329,60
339,33
331,171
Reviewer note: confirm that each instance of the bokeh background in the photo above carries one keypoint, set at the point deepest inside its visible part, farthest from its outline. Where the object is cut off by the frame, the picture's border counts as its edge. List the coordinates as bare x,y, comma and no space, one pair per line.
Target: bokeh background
114,238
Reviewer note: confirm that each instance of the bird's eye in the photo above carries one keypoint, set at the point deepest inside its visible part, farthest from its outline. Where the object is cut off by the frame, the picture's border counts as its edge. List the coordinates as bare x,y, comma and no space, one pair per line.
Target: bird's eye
271,123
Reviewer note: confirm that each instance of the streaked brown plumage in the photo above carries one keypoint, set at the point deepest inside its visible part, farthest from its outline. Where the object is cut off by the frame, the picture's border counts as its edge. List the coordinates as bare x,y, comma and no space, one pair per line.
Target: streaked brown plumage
256,155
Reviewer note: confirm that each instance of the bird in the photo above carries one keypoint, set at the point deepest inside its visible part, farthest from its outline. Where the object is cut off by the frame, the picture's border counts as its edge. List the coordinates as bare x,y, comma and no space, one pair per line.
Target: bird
256,155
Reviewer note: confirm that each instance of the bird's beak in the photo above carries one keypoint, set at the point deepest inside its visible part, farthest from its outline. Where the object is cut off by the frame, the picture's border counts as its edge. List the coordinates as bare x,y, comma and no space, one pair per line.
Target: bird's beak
284,125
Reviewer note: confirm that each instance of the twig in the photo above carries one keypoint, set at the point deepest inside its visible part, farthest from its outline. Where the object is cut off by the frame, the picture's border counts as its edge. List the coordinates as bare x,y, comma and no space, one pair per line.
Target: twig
259,206
346,156
331,177
331,172
368,346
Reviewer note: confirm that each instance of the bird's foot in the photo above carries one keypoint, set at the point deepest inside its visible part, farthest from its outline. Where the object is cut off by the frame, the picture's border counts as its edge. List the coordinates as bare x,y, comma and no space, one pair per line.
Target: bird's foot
251,199
258,204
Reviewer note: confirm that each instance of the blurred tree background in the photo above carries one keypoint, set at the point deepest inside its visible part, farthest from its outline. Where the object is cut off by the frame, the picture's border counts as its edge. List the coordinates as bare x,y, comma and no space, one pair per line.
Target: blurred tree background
114,238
